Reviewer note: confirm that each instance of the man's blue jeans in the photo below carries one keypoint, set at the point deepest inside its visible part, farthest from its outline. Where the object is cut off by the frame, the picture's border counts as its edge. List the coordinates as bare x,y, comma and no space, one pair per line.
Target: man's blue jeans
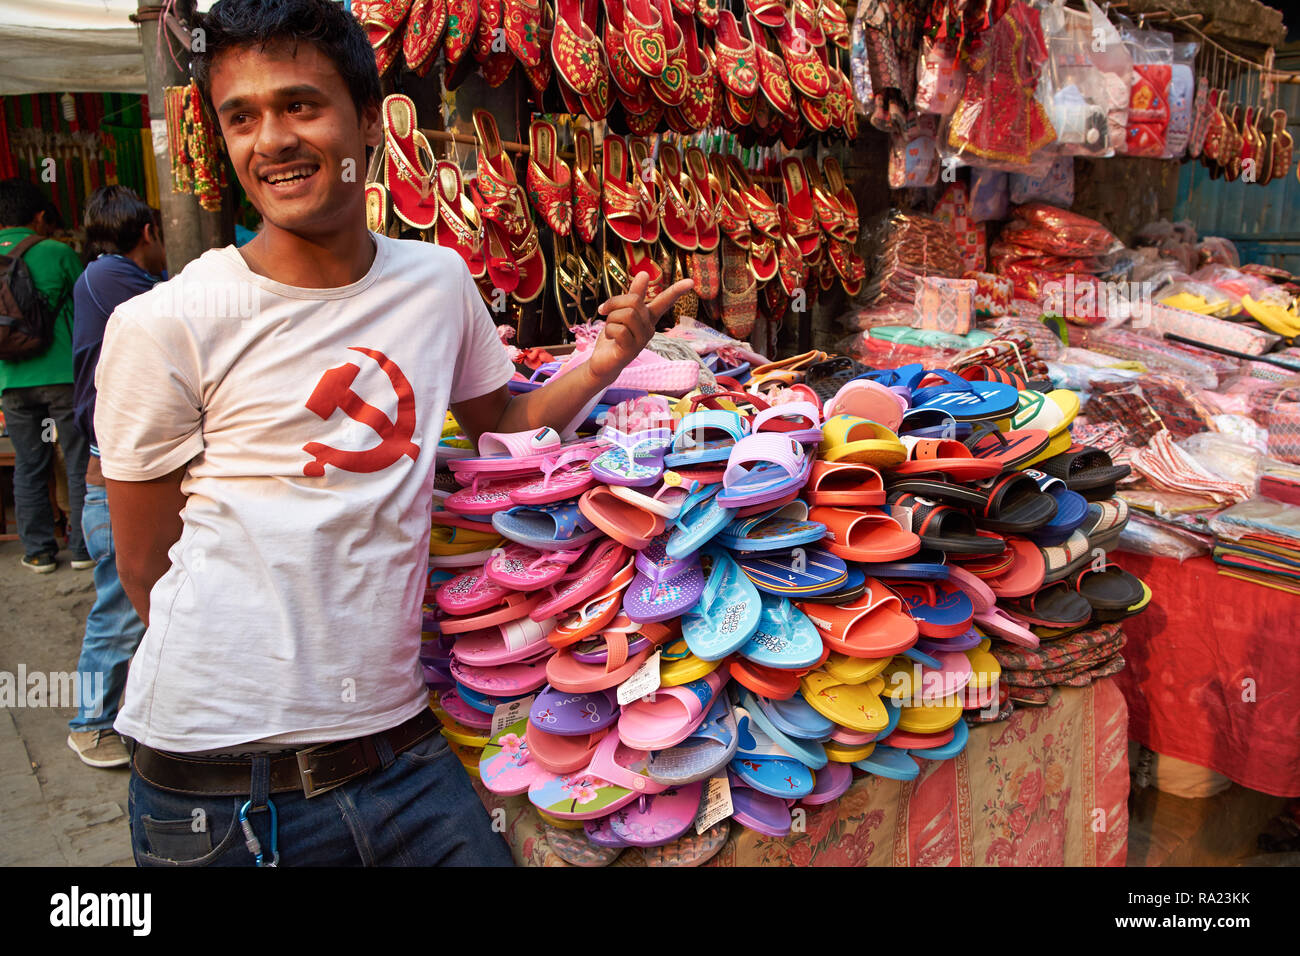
29,413
113,629
420,810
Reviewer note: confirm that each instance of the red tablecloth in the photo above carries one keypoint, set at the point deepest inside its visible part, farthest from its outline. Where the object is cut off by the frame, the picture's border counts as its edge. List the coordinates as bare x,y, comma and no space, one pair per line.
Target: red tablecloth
1213,673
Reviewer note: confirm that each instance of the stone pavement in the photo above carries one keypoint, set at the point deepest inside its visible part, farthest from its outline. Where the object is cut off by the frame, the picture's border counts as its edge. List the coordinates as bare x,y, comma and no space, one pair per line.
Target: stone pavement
54,810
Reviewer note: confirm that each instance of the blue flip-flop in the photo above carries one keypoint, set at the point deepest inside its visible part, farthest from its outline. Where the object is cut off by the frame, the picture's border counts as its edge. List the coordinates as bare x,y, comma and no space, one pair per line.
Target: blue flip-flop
932,423
890,763
894,713
727,613
779,572
796,718
926,565
558,526
775,530
960,736
921,657
761,764
905,375
940,610
483,702
700,519
785,639
705,435
704,753
967,401
810,753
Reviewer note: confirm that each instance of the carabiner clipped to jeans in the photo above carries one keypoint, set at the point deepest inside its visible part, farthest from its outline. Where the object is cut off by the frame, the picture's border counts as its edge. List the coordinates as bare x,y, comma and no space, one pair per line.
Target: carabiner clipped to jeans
250,838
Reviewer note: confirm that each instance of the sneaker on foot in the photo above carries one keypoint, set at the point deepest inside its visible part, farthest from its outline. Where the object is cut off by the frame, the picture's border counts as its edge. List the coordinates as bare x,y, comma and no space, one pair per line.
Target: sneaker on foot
40,563
82,562
99,748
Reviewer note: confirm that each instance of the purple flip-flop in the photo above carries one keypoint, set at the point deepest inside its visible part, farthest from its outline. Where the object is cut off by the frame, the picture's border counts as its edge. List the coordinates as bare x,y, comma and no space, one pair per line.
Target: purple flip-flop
663,587
571,715
759,812
659,818
600,833
463,713
829,783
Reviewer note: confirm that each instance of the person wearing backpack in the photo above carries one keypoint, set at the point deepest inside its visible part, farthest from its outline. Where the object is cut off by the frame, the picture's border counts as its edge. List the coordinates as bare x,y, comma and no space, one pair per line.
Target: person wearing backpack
36,375
128,259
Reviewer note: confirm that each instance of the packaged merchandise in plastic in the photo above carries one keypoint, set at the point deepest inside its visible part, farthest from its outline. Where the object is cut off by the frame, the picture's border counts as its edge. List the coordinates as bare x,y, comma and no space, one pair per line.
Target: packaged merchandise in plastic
1109,55
1217,250
913,155
1148,109
1144,536
990,197
940,76
1182,94
1057,187
1076,86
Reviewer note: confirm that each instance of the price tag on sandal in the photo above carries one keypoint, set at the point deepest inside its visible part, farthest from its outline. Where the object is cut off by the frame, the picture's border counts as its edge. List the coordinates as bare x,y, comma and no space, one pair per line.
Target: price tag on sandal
716,805
509,712
642,683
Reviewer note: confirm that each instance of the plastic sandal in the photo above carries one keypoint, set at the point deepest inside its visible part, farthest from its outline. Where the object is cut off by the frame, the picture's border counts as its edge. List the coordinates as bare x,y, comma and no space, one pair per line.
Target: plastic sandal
727,613
779,466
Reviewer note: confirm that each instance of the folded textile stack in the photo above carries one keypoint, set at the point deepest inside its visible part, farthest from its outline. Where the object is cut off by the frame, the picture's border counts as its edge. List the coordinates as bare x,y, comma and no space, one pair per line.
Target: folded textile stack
729,602
1259,540
911,245
1044,243
1072,661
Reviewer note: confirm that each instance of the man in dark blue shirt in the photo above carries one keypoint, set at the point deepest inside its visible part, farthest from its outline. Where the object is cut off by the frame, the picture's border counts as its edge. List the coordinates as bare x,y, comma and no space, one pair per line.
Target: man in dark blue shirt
123,231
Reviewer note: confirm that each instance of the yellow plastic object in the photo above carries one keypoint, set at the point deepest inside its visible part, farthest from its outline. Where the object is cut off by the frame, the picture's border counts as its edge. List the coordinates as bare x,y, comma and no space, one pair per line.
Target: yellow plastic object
930,716
458,733
683,671
898,676
558,823
1146,598
849,438
1058,445
985,669
1272,317
854,670
446,541
855,706
1189,302
842,753
1067,400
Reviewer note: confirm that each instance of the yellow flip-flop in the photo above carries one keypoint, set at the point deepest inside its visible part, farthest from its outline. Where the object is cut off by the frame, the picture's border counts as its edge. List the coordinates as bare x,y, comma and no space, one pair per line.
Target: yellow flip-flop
849,438
458,733
843,753
855,706
446,541
930,716
1055,446
683,670
1190,302
468,757
558,823
984,667
854,670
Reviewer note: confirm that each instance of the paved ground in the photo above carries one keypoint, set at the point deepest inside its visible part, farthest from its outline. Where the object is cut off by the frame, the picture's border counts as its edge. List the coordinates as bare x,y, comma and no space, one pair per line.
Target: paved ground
54,810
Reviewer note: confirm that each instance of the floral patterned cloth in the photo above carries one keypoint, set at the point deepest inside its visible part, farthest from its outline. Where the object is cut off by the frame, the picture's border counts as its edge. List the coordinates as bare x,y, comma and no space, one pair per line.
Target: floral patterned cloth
1025,793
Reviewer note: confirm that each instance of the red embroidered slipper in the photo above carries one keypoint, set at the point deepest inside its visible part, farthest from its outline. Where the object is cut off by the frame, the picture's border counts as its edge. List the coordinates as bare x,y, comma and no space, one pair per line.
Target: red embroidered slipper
707,11
707,196
539,74
626,76
758,204
793,130
670,85
740,109
772,79
462,23
502,201
834,22
733,219
490,17
574,47
647,122
640,102
638,260
496,69
618,195
522,23
596,103
839,255
697,103
550,184
735,57
408,180
808,74
843,195
830,216
804,14
686,7
424,26
499,264
763,261
642,35
382,21
792,270
679,202
586,186
531,264
650,202
801,220
458,220
770,13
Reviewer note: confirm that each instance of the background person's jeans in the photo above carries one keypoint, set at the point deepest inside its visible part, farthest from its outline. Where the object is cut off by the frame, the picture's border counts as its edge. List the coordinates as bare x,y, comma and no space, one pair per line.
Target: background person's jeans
113,629
27,413
419,811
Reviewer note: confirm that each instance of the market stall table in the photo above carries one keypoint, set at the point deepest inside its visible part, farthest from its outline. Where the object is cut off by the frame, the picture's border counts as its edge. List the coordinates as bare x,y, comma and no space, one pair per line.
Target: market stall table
1213,673
1025,793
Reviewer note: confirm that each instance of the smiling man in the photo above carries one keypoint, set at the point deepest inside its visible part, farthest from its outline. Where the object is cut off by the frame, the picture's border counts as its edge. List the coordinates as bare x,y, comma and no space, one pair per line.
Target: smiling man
274,413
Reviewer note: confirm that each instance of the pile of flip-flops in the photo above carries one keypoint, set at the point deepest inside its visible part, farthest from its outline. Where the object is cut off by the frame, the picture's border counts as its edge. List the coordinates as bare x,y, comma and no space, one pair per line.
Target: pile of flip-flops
776,586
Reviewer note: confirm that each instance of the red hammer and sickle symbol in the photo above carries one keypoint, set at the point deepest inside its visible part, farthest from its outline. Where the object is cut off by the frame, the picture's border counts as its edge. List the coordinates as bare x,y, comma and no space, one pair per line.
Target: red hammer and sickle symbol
334,391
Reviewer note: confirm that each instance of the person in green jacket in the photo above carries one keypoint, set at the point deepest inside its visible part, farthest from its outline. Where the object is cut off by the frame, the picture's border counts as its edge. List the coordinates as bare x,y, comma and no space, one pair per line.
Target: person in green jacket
36,392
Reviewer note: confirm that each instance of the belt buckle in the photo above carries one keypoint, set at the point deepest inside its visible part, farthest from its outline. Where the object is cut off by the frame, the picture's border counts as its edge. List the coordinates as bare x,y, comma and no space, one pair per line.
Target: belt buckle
309,788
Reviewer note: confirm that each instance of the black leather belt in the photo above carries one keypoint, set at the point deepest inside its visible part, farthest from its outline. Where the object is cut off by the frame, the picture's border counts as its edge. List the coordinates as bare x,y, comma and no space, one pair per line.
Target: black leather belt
312,770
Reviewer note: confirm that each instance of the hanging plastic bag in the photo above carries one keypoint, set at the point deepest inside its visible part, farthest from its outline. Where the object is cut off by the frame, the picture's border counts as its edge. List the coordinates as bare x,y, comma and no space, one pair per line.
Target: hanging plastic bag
1182,95
989,198
1148,105
1076,88
940,76
1057,187
913,158
1109,55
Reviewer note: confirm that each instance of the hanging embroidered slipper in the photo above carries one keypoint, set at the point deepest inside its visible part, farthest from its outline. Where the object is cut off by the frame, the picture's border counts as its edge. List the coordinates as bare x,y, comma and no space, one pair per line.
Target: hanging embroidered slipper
664,587
865,535
941,527
875,625
613,779
672,716
966,401
727,613
848,438
844,484
1013,504
705,436
1055,605
777,529
785,639
407,177
855,706
623,522
1084,468
763,468
939,611
764,765
705,751
700,518
635,459
798,573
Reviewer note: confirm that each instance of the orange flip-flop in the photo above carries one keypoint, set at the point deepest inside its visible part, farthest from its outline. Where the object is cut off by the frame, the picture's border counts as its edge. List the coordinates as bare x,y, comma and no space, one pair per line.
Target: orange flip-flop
621,520
874,625
570,675
864,535
844,484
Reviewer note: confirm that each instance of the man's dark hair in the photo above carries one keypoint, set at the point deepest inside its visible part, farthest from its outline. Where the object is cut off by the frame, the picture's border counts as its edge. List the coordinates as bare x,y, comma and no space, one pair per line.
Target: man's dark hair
53,218
234,24
115,220
20,201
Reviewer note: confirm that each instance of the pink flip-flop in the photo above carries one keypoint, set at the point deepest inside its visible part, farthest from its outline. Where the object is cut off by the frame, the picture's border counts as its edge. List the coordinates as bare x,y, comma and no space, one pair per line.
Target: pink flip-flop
866,399
452,519
486,497
564,754
603,564
592,615
510,451
470,593
509,643
506,765
522,568
610,782
508,680
666,501
659,818
996,621
566,475
514,607
672,716
798,420
463,713
906,739
568,674
624,522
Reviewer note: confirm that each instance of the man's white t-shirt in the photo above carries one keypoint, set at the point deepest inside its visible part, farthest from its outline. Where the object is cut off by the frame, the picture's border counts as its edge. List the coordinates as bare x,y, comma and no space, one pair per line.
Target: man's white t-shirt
310,419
